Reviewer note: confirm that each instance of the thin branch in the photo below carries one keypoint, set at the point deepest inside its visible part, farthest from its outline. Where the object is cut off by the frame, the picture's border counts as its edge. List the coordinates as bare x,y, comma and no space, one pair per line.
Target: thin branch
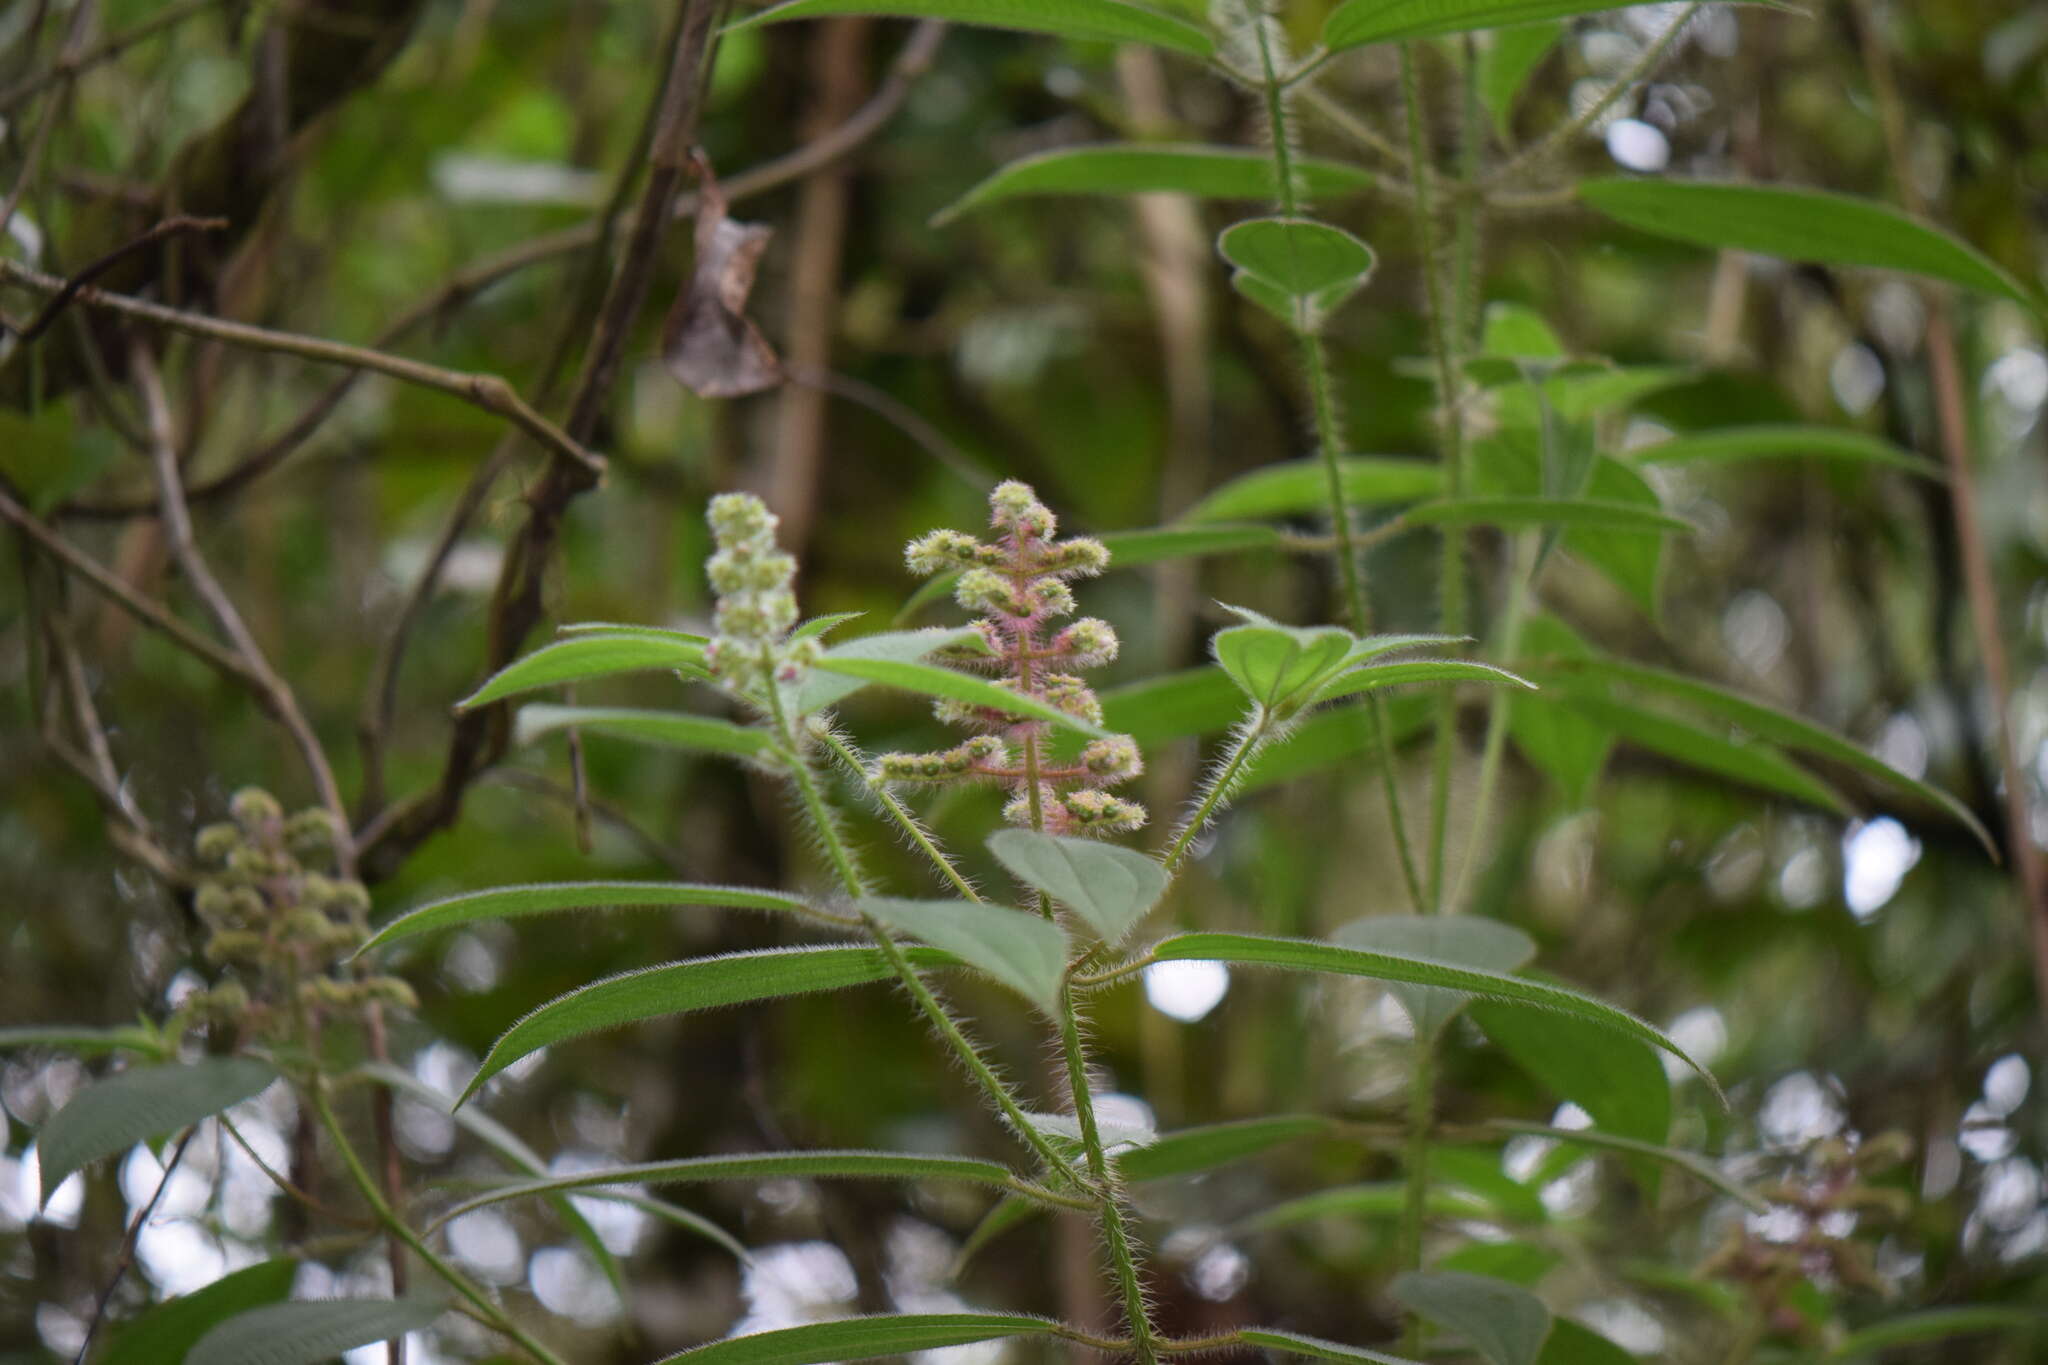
79,279
67,66
126,1258
486,391
39,141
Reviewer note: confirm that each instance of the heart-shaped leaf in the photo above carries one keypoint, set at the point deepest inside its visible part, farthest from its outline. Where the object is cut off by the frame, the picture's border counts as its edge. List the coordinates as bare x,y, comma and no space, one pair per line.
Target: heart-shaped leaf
1503,1322
1111,888
1024,952
1281,667
1296,268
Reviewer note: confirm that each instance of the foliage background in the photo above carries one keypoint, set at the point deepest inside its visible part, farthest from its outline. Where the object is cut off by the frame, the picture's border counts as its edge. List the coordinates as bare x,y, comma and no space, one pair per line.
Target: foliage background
1864,977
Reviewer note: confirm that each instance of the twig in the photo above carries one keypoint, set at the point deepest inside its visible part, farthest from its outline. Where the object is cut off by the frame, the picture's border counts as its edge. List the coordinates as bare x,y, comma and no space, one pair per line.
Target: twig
67,67
39,141
79,279
486,391
126,1258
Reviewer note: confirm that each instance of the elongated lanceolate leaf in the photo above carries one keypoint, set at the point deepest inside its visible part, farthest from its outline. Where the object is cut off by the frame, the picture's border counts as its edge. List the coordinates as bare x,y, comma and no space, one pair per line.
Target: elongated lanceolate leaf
1024,952
310,1331
890,1334
1799,225
1410,672
1571,1344
1373,1199
1358,22
824,687
1189,1150
1692,1163
1111,888
1518,512
1297,1343
1128,549
514,902
752,1166
1504,1322
1466,940
670,729
110,1116
1296,487
683,987
581,658
1783,441
1617,1080
1120,168
80,1040
164,1334
1106,21
1308,955
948,685
1939,1324
1748,761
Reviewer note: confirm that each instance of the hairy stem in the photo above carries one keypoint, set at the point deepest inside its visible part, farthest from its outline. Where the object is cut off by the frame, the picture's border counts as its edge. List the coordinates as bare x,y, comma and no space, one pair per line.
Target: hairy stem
1115,1230
895,810
1415,1176
1252,736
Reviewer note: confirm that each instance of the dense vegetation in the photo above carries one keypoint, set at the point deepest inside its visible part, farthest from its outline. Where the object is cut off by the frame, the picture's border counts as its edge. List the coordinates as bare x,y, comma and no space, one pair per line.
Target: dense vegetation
1453,768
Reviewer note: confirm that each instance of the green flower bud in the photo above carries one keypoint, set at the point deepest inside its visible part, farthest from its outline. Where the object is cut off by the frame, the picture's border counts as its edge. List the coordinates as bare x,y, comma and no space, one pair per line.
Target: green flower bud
1088,643
311,833
234,945
1113,760
216,842
1095,812
984,590
215,904
1080,557
254,809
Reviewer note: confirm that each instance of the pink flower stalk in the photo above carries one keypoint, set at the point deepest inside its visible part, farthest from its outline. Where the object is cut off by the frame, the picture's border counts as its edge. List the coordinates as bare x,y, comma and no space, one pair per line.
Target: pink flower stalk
1018,584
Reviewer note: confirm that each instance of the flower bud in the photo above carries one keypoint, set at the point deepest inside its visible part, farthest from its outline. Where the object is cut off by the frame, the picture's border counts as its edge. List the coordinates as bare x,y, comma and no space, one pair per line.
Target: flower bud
311,833
1113,760
1088,643
1094,811
216,842
255,810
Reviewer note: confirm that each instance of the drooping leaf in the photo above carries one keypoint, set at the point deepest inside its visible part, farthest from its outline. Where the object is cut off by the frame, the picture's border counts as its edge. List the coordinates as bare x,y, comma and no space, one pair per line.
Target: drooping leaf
1783,441
669,729
310,1331
1293,487
1412,672
1128,549
822,688
1503,1322
164,1334
815,1343
1024,952
1308,955
815,1165
667,633
1120,168
1478,1171
1358,22
944,683
1103,21
1695,1165
1111,888
1505,65
1300,1344
1520,512
111,1115
1939,1324
1467,940
1188,1150
1745,760
700,983
513,902
1633,561
1299,270
1568,747
1617,1080
1800,225
1770,723
1572,1344
582,658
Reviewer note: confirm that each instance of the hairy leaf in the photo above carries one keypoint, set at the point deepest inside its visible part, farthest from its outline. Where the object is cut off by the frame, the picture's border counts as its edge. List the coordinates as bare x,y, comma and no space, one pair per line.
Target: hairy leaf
1467,940
1106,21
1300,1344
513,902
1024,952
164,1334
581,658
111,1115
310,1331
824,687
1120,168
1111,888
816,1343
670,729
1410,672
1503,1322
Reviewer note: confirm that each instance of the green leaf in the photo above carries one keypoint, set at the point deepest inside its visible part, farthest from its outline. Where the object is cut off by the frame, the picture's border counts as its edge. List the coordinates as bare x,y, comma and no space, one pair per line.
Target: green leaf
1506,64
1939,1324
1188,1150
112,1115
1111,888
816,1165
1103,21
584,657
1634,562
1799,225
1307,955
1281,667
1300,1344
1193,701
1572,1344
669,729
82,1041
1006,1213
699,983
828,688
1478,1171
1520,512
1617,1080
931,681
513,902
1783,440
311,1331
1584,392
1024,952
1411,672
1514,1261
1466,940
1336,736
1120,168
1569,748
1293,487
1374,1199
820,626
1503,1322
164,1334
1770,723
1128,549
632,628
1296,268
1748,761
888,1334
1358,22
1692,1163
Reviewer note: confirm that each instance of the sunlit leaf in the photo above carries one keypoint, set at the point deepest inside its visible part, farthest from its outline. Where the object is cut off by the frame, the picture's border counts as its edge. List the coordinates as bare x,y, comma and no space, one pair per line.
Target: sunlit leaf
513,902
582,658
1465,940
945,683
1281,667
828,687
1120,168
109,1116
1414,672
1105,21
1298,269
668,729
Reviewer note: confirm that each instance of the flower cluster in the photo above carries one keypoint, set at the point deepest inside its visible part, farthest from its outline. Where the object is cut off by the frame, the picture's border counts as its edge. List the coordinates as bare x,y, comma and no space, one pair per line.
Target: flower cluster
279,925
756,605
1017,582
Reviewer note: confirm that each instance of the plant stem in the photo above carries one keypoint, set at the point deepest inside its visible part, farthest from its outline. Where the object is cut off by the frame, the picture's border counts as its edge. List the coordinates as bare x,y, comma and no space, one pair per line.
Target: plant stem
398,1227
1115,1231
905,821
1508,641
1558,137
1250,739
1415,1201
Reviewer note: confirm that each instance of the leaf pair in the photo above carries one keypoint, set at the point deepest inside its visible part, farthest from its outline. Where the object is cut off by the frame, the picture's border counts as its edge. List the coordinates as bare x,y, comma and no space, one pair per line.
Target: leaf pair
1297,269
